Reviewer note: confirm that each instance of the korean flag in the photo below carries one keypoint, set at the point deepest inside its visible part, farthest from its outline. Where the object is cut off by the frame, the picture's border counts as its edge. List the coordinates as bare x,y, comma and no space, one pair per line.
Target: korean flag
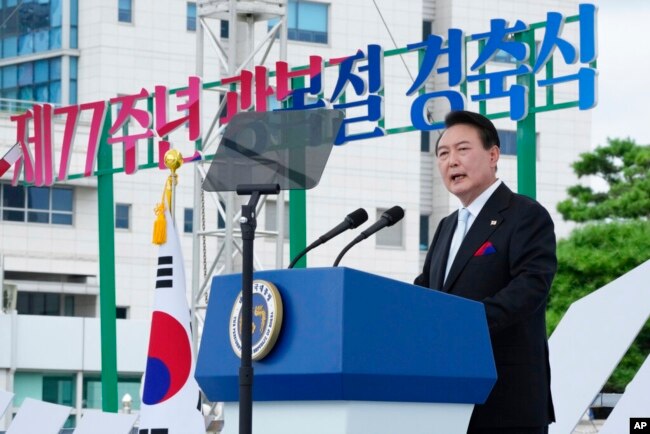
170,396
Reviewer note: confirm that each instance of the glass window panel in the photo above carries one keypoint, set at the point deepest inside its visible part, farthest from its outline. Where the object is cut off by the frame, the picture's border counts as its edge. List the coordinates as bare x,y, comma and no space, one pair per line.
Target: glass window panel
9,76
52,304
188,216
26,94
38,198
73,37
36,304
424,232
224,29
121,312
26,44
132,387
27,384
40,15
191,16
221,223
13,216
59,390
41,71
55,68
125,11
55,92
42,41
26,74
122,212
55,37
38,217
11,94
68,305
73,67
41,93
425,141
92,393
10,46
508,140
292,15
61,219
13,197
74,12
62,199
22,303
312,16
73,92
55,13
11,3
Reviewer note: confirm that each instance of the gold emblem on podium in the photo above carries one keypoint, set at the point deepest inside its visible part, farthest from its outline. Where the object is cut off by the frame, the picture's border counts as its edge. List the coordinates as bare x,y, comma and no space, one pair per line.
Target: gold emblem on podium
267,320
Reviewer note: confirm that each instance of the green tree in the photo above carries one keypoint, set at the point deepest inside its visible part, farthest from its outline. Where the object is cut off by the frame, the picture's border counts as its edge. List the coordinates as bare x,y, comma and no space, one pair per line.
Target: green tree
614,240
625,168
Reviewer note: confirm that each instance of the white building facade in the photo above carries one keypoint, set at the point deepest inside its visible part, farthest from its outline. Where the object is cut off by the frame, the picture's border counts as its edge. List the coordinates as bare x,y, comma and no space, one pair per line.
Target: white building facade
71,52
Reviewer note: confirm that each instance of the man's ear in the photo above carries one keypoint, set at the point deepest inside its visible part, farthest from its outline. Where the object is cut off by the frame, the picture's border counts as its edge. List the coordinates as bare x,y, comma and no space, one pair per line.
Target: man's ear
495,153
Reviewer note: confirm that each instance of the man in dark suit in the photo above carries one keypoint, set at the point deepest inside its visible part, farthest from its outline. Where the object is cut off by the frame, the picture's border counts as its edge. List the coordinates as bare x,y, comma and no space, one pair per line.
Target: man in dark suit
499,249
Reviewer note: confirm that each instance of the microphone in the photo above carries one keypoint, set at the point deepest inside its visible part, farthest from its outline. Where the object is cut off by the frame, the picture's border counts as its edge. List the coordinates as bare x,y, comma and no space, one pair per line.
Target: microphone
351,221
388,218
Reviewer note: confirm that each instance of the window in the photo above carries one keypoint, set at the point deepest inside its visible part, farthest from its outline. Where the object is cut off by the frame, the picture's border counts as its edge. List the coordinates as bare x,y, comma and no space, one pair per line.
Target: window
92,391
122,216
427,29
221,221
125,11
45,303
39,80
306,21
508,140
191,17
425,143
424,232
38,303
51,205
188,217
224,29
57,389
390,236
35,27
121,312
271,217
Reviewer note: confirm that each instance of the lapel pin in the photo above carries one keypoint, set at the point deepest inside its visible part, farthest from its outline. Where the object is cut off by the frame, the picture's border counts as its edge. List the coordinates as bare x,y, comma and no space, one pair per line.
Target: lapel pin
493,222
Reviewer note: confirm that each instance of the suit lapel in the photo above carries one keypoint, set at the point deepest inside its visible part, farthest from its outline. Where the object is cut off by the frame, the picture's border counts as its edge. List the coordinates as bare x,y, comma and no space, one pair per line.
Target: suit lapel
487,221
441,251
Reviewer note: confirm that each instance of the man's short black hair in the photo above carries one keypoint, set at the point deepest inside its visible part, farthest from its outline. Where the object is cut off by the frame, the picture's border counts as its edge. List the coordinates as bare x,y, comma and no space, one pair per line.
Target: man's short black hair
487,131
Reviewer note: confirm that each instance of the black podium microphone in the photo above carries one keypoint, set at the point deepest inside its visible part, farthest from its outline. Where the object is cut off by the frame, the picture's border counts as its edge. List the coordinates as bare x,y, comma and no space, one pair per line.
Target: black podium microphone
351,221
388,218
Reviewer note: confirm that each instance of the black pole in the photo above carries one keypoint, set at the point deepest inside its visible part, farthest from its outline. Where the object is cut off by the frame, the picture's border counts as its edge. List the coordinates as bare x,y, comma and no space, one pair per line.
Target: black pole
248,224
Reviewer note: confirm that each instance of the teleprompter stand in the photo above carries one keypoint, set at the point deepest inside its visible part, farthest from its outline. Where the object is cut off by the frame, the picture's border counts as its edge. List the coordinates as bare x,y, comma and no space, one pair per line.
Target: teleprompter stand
248,222
264,153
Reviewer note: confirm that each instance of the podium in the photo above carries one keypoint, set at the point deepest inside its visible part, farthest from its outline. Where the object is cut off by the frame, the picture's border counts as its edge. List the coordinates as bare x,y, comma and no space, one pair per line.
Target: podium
357,353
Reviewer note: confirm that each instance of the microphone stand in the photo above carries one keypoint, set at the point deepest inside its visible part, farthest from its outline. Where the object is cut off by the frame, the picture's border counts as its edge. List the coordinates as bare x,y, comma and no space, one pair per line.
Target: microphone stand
248,222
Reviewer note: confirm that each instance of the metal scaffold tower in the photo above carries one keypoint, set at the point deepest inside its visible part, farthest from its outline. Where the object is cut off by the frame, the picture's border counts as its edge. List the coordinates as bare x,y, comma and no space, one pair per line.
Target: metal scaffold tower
239,51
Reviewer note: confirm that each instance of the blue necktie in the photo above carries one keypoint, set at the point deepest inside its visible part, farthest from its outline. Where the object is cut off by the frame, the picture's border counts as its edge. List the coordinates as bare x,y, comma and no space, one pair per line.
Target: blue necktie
461,228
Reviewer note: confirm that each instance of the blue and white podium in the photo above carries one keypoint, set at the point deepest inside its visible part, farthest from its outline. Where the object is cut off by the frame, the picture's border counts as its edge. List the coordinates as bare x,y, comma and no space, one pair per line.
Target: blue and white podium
357,353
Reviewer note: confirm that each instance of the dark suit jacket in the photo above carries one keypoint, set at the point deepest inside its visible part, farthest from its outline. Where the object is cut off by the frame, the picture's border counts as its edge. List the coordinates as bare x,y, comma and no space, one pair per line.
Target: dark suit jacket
513,283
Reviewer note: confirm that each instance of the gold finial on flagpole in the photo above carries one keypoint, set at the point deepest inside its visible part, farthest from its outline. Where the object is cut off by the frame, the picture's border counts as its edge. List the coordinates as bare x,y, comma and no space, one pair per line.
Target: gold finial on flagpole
173,160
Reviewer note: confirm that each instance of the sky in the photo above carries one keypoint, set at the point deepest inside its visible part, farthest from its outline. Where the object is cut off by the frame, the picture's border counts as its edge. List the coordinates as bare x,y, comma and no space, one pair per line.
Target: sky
623,108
